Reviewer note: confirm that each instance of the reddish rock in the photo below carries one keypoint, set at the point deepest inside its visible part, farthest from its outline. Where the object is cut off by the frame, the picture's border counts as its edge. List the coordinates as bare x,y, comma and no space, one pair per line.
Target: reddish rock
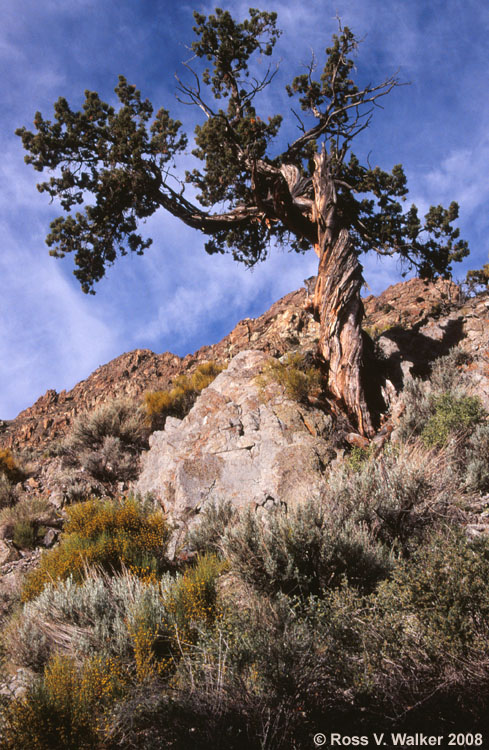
434,311
358,441
133,373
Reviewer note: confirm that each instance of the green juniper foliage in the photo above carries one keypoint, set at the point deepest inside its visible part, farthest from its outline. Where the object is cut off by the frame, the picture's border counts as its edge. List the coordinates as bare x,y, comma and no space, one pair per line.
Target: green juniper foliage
123,165
114,167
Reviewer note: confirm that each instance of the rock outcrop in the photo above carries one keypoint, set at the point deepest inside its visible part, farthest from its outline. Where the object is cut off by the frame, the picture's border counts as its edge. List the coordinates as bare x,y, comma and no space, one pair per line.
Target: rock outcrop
408,304
242,441
414,321
284,326
239,442
409,349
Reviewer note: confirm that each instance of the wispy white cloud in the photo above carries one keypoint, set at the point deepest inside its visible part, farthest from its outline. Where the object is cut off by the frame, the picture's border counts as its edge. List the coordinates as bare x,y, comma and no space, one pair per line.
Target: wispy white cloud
49,337
463,176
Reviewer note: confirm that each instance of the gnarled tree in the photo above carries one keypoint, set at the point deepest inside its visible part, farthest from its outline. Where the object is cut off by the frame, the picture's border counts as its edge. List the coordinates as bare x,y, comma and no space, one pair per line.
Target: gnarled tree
314,193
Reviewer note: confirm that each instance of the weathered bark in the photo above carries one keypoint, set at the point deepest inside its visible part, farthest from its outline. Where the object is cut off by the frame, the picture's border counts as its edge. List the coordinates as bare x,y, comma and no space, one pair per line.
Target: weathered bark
337,302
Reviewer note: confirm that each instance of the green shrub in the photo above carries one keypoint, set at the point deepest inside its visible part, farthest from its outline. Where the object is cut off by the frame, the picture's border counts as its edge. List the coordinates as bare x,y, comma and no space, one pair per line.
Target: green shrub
196,716
81,619
214,519
33,508
110,534
178,401
118,419
79,486
447,372
28,518
24,534
90,640
447,380
107,442
412,654
145,625
445,586
451,416
294,374
306,550
8,492
424,636
163,631
192,596
358,456
476,460
399,495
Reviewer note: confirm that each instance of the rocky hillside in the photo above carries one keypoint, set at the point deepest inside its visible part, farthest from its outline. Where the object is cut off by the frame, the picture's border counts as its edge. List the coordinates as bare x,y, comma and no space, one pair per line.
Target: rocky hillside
413,321
274,575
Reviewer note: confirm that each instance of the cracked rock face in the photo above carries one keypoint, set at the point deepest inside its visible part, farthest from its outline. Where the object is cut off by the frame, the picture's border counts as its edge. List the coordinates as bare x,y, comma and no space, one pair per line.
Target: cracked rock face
239,443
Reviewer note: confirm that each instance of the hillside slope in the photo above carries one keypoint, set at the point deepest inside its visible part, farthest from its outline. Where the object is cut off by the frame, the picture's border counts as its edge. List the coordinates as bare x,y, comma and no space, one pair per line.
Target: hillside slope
399,316
252,556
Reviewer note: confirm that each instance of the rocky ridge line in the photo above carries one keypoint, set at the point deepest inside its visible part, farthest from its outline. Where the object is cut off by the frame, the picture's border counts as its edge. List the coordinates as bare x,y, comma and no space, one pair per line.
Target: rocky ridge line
287,325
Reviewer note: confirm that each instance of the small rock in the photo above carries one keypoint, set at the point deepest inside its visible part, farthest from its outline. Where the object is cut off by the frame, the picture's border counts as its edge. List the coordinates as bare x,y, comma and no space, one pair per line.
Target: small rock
7,553
57,498
380,440
50,537
357,440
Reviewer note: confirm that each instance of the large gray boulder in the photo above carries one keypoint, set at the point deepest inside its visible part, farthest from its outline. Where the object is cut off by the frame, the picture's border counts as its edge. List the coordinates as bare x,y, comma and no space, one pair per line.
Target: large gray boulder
240,442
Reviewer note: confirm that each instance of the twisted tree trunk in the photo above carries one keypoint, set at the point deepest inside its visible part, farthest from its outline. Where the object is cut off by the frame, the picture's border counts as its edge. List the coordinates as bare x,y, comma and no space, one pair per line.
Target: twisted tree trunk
337,301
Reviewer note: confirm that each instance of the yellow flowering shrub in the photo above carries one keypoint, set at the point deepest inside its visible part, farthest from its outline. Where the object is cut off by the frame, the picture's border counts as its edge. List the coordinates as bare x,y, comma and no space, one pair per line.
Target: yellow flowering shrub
110,534
298,379
9,466
178,401
192,599
188,604
65,708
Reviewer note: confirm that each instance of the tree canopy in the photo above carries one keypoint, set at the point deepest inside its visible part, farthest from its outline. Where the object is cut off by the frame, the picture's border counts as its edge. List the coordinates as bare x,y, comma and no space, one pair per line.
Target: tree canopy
111,167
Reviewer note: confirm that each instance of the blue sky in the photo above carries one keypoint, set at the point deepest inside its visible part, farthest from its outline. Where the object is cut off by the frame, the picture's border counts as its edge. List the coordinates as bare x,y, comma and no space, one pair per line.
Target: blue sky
176,297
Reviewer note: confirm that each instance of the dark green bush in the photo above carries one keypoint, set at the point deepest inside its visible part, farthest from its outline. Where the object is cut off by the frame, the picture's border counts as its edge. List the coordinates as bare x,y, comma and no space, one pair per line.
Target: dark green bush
8,492
24,534
451,415
476,460
412,655
447,378
357,457
28,519
449,419
446,586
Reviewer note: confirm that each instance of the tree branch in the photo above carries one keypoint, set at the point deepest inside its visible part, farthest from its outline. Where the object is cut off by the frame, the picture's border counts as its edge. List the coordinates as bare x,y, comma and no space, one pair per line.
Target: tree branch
370,94
208,223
